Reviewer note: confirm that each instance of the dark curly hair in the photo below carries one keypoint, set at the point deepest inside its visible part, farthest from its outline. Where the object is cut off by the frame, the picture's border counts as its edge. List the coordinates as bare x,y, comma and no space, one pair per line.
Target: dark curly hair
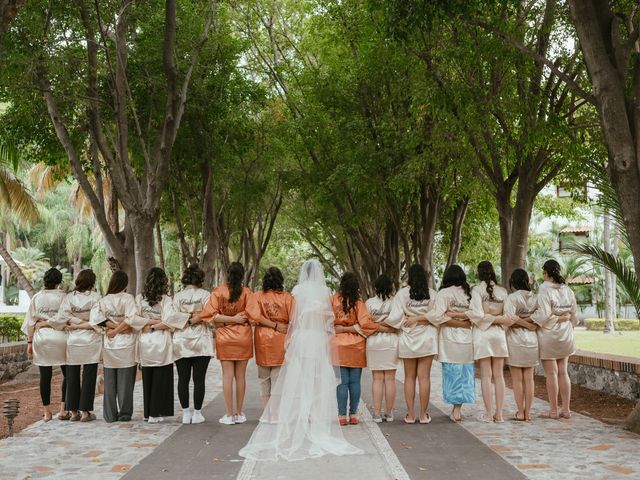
273,280
487,274
155,286
118,283
52,278
383,286
349,291
454,276
193,275
85,281
552,268
418,286
519,280
235,275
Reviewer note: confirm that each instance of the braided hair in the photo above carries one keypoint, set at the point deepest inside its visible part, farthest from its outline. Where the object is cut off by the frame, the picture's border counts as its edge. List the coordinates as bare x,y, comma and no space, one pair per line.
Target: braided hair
155,286
235,275
418,286
383,286
454,276
552,268
519,280
487,274
349,291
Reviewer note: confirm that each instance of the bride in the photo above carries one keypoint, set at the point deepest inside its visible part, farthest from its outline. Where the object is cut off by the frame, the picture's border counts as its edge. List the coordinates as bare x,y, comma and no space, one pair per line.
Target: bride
299,421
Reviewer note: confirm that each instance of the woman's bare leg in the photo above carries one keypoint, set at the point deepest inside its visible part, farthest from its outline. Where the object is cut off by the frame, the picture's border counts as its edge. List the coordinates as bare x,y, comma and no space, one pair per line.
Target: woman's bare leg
410,372
424,383
497,367
377,390
564,384
240,374
227,385
389,390
485,383
529,387
551,372
518,391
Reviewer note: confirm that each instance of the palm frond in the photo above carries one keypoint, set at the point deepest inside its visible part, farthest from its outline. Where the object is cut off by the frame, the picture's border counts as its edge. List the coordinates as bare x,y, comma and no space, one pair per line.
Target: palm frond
615,264
15,197
44,178
9,155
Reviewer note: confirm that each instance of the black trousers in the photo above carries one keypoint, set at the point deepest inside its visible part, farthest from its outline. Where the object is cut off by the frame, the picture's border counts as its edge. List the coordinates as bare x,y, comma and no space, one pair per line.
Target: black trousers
199,366
157,389
45,383
80,395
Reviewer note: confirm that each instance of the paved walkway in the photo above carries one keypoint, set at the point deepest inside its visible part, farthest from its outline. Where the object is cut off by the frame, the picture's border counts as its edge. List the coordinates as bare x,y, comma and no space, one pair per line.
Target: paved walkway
580,448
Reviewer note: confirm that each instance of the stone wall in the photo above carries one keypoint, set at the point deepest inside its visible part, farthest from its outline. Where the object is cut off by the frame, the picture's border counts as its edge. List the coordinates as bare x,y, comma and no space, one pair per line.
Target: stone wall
13,359
612,374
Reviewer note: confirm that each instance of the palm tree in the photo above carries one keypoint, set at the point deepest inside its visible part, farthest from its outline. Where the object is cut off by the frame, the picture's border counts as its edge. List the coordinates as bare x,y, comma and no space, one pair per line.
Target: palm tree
16,199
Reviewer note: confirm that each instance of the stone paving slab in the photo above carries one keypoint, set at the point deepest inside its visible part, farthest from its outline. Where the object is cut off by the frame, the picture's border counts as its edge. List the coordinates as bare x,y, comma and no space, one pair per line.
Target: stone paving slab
95,450
580,448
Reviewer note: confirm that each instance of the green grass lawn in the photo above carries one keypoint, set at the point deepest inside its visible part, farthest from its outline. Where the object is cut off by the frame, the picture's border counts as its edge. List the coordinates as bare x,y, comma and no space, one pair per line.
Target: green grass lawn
620,343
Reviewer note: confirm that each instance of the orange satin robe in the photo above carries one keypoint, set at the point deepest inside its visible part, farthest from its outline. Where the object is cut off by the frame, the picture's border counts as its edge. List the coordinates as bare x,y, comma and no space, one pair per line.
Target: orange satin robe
233,341
352,346
276,307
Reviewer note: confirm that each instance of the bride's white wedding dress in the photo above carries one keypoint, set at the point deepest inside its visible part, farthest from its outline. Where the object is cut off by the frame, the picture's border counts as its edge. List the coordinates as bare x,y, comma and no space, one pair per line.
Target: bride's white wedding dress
300,419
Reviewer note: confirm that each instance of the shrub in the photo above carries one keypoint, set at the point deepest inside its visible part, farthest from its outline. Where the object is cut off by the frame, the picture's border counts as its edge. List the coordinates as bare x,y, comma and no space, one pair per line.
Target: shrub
621,324
10,327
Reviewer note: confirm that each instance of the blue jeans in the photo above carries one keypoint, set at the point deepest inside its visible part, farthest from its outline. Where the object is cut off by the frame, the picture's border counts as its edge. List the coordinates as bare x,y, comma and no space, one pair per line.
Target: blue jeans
349,389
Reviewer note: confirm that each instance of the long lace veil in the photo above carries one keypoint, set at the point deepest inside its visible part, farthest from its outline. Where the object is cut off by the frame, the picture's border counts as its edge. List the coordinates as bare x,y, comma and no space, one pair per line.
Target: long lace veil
300,419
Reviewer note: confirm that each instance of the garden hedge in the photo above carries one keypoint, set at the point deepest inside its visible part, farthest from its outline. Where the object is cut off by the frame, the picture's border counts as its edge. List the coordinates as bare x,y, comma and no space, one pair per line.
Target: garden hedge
10,327
620,324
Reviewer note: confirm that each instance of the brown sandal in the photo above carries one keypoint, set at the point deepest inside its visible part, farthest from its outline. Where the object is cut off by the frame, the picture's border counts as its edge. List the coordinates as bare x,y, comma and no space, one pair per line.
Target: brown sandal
89,418
66,416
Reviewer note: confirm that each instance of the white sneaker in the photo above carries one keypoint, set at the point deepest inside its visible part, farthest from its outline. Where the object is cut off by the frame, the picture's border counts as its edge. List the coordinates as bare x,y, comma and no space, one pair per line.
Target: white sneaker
197,417
240,418
156,419
186,417
227,420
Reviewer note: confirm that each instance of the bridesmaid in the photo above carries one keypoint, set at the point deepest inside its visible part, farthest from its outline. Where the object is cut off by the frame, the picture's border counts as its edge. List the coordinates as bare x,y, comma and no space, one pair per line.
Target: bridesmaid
84,346
234,339
117,313
522,341
382,350
192,342
489,338
418,340
155,350
455,347
556,317
352,324
47,341
270,311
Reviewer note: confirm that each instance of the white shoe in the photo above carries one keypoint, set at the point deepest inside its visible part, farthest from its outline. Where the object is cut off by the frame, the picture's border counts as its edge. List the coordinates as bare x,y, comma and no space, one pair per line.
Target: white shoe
186,417
197,417
227,420
156,419
240,418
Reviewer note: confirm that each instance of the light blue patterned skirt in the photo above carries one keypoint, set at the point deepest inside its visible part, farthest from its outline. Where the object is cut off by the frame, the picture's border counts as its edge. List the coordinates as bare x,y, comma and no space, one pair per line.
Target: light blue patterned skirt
458,383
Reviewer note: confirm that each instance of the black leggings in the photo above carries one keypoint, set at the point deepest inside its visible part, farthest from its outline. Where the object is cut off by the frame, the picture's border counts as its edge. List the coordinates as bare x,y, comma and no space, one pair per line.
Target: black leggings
45,383
184,367
80,395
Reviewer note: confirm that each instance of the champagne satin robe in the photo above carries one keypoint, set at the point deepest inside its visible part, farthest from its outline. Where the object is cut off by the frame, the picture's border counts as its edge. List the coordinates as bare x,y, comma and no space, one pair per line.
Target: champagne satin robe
233,341
155,348
269,343
522,342
555,339
488,340
351,347
49,343
419,340
382,347
189,340
121,350
84,346
455,343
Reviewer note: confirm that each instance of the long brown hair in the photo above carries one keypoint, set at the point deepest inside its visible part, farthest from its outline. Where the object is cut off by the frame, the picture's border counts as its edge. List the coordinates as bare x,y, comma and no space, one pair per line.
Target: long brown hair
349,291
235,275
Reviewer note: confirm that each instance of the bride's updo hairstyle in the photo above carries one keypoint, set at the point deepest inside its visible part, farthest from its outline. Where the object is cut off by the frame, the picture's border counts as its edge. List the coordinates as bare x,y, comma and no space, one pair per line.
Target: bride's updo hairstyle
349,291
273,280
552,268
235,275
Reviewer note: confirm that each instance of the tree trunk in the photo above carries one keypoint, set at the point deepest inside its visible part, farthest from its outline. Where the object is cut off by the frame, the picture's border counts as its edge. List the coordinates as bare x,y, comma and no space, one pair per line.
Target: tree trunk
15,270
160,247
608,310
459,214
144,256
8,10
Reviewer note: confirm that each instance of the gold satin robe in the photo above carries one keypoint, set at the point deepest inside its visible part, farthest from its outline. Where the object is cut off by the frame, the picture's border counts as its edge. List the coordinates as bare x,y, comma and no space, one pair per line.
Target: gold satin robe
455,344
489,340
49,343
522,342
556,340
84,346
